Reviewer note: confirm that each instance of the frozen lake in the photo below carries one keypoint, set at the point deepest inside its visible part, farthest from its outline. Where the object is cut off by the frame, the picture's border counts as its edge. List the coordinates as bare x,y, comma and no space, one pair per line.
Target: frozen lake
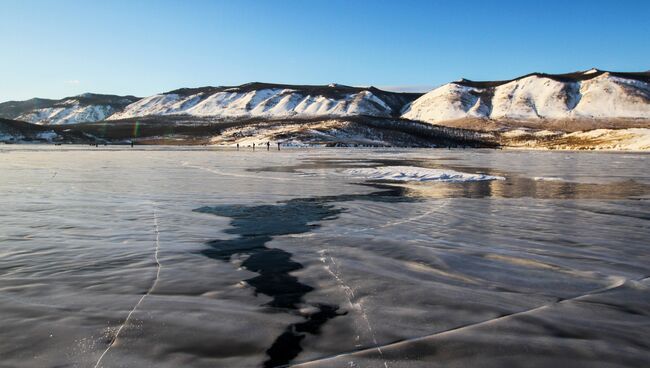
172,257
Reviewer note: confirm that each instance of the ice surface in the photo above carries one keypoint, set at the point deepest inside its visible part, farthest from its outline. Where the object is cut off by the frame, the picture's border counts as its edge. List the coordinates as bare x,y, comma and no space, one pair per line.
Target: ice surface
259,250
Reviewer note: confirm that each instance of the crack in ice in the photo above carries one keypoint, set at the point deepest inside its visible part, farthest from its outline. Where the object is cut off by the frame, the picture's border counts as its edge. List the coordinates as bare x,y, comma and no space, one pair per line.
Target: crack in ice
219,172
384,225
153,286
350,295
619,282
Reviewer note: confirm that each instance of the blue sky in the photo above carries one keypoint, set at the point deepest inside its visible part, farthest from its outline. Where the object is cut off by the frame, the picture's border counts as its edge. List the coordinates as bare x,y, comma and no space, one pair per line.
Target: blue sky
61,48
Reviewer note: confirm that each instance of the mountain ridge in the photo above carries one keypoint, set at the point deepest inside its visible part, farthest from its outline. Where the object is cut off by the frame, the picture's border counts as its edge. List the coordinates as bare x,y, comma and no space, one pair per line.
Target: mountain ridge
594,94
573,76
535,98
271,100
72,109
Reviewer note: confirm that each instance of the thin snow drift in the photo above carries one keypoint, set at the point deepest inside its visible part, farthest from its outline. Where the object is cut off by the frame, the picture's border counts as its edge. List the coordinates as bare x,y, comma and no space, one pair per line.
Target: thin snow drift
414,173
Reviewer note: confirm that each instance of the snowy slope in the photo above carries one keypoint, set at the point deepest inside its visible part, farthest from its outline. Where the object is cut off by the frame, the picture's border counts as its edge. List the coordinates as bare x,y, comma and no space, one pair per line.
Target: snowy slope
269,100
87,107
12,131
592,94
71,114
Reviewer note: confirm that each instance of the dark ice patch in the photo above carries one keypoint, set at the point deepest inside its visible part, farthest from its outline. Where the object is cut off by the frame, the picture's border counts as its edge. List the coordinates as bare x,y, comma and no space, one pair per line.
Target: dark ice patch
255,227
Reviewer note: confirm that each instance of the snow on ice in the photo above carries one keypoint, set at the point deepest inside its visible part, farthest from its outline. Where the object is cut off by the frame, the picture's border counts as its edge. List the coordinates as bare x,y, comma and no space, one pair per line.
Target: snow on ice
413,173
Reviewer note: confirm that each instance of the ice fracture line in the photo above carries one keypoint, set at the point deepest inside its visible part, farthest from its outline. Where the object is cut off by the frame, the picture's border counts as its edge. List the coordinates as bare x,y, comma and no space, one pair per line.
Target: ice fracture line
153,286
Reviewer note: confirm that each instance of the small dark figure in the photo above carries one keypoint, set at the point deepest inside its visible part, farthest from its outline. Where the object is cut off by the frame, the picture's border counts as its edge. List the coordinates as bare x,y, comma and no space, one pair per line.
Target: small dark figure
278,146
237,146
253,146
268,146
131,144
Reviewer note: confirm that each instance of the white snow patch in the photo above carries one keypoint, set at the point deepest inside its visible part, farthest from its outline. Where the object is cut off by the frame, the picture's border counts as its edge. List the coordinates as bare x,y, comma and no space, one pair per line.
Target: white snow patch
413,173
48,135
635,139
522,132
632,139
448,102
516,133
5,137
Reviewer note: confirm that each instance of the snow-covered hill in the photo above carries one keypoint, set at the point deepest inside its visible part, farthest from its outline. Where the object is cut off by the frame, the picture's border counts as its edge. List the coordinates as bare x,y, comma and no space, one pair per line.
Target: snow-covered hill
568,102
87,107
588,95
252,100
12,131
270,101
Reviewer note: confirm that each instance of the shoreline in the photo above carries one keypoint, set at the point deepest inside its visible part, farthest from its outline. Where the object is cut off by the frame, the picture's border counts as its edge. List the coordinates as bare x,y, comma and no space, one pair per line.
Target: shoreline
219,147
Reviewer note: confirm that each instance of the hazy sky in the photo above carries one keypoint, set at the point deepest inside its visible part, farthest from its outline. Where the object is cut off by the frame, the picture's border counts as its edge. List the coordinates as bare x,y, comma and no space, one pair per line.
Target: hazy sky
61,48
